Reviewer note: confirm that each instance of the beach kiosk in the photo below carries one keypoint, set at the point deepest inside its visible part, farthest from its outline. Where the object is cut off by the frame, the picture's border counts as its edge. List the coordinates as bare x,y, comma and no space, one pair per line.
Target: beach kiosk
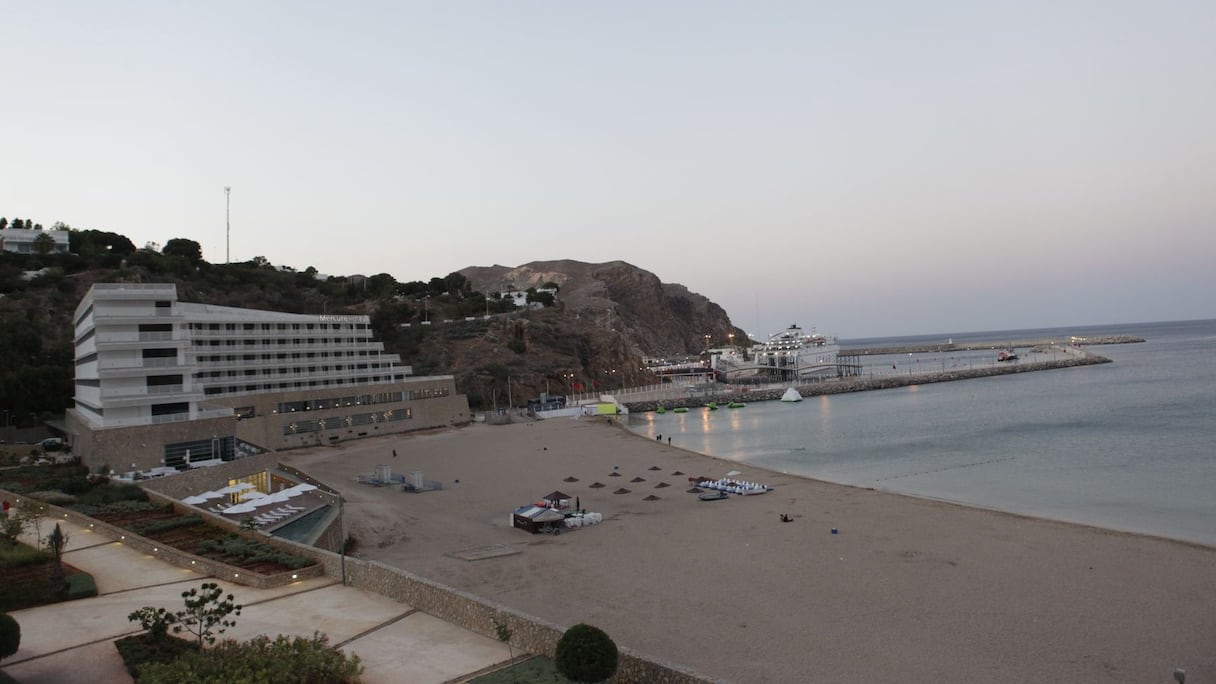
557,500
536,519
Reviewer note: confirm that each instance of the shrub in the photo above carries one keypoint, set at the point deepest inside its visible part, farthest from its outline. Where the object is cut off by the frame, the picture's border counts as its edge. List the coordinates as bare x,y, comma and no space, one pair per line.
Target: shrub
10,635
586,654
139,651
146,527
297,660
55,498
15,555
81,586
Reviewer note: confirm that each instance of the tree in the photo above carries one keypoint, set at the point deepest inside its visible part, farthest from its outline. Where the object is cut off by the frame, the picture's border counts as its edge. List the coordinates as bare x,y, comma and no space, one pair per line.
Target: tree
44,244
10,635
504,634
206,609
190,250
154,621
586,654
56,542
3,223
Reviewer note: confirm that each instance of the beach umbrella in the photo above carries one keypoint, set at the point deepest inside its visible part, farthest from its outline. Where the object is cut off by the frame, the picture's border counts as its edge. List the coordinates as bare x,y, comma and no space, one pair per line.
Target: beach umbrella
238,509
276,498
236,488
290,491
304,487
195,500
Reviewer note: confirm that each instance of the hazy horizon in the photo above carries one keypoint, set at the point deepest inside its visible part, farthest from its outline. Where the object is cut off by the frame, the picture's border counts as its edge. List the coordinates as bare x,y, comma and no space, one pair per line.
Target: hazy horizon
867,170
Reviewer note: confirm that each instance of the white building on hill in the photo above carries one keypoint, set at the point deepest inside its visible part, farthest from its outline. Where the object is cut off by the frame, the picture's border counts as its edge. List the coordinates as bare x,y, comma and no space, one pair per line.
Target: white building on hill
24,240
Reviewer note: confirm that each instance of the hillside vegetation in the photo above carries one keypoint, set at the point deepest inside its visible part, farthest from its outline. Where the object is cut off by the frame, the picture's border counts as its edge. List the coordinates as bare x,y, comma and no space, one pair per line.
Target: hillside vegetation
592,335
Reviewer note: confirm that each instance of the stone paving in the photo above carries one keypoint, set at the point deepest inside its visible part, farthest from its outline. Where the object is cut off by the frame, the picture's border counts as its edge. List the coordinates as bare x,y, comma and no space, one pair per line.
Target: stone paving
72,641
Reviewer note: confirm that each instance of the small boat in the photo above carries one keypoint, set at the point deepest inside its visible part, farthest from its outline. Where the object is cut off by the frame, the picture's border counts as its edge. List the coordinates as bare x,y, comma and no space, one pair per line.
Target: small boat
680,409
713,496
712,406
1007,355
661,409
791,394
736,404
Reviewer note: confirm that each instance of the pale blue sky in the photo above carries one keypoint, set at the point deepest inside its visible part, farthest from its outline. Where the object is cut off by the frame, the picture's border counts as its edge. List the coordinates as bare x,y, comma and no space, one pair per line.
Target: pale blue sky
864,168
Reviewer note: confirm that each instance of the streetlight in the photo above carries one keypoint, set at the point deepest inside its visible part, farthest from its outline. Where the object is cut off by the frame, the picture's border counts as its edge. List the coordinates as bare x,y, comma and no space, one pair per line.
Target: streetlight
227,224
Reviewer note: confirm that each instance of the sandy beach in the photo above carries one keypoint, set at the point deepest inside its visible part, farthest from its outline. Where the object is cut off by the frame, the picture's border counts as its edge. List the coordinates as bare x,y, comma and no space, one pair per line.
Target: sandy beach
908,591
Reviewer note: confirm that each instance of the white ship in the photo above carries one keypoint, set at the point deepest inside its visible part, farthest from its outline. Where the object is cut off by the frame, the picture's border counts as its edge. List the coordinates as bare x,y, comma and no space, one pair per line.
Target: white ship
787,355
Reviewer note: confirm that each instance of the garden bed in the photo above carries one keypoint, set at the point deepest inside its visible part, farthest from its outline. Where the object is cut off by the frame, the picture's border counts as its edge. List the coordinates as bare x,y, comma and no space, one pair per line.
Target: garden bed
25,579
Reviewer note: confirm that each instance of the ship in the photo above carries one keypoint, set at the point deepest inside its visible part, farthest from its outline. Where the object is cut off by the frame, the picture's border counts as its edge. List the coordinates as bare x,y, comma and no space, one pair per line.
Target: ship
789,355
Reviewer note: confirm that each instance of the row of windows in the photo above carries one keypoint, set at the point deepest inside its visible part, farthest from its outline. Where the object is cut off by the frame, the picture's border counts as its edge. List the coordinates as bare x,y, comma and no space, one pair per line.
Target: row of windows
338,402
232,327
294,370
336,422
283,356
286,342
299,384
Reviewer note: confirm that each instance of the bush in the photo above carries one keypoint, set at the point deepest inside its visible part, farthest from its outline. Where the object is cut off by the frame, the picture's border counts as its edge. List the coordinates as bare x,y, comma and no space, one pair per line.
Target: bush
141,650
586,654
18,554
81,586
55,498
297,660
10,635
147,527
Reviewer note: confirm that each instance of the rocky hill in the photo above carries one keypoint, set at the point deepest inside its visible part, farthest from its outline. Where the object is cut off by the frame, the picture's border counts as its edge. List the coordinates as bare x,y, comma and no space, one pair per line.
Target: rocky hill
607,317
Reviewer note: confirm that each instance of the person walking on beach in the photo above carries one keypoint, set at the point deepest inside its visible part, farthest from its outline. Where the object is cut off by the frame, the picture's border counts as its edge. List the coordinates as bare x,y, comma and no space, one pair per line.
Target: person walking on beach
394,453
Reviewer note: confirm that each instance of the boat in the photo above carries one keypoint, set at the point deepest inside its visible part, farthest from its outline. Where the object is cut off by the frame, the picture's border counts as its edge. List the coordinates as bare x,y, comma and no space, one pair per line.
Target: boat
716,495
791,394
1007,355
736,404
661,409
680,409
712,406
789,354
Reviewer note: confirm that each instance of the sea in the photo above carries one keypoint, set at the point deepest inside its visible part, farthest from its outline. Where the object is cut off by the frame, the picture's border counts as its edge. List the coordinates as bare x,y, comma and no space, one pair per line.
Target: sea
1129,445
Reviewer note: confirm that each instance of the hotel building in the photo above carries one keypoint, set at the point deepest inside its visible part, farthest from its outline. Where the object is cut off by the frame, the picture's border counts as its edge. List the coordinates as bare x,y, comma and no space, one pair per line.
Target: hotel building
161,382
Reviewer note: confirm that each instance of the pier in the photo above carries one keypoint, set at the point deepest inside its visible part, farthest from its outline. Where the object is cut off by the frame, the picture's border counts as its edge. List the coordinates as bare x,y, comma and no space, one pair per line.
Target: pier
678,397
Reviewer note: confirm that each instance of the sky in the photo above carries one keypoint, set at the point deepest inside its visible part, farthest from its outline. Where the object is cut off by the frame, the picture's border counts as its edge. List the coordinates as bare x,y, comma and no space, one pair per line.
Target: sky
863,168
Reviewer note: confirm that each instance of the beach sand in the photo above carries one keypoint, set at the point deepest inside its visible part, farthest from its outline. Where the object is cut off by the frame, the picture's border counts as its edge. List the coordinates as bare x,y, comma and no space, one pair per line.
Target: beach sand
909,590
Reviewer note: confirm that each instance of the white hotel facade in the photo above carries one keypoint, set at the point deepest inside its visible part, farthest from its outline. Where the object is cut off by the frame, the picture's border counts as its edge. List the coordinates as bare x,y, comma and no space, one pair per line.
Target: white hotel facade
161,382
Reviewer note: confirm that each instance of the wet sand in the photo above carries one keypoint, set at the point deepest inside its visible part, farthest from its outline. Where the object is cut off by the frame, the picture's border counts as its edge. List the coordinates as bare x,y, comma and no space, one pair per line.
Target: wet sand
909,590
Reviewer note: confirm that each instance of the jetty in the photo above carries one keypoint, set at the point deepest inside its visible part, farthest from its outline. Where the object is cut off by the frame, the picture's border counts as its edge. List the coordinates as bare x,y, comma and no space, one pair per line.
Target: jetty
1072,342
1073,357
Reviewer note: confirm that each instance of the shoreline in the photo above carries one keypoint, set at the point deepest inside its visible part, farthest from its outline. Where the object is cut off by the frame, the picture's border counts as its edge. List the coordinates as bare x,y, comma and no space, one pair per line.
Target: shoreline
949,502
911,589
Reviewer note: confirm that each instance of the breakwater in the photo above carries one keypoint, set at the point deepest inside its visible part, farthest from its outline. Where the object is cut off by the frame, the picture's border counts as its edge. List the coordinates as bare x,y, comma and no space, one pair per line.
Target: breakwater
991,344
1075,358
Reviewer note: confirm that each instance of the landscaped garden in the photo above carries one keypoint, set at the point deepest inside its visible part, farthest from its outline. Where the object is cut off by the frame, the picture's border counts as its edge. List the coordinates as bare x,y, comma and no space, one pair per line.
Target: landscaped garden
157,657
127,506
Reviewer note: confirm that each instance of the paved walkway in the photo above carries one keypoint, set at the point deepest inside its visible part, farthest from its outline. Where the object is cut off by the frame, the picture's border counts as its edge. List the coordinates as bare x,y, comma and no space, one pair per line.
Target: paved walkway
72,641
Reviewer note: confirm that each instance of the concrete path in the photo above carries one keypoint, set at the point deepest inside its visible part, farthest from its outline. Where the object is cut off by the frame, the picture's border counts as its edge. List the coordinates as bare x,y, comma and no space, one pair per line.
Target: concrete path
72,641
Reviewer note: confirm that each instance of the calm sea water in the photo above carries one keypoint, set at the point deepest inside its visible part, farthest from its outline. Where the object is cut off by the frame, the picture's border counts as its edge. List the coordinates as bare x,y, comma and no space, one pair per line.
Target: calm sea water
1129,445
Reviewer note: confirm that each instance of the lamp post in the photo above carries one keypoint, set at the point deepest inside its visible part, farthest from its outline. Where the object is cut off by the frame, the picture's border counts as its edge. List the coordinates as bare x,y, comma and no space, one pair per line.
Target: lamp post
227,224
